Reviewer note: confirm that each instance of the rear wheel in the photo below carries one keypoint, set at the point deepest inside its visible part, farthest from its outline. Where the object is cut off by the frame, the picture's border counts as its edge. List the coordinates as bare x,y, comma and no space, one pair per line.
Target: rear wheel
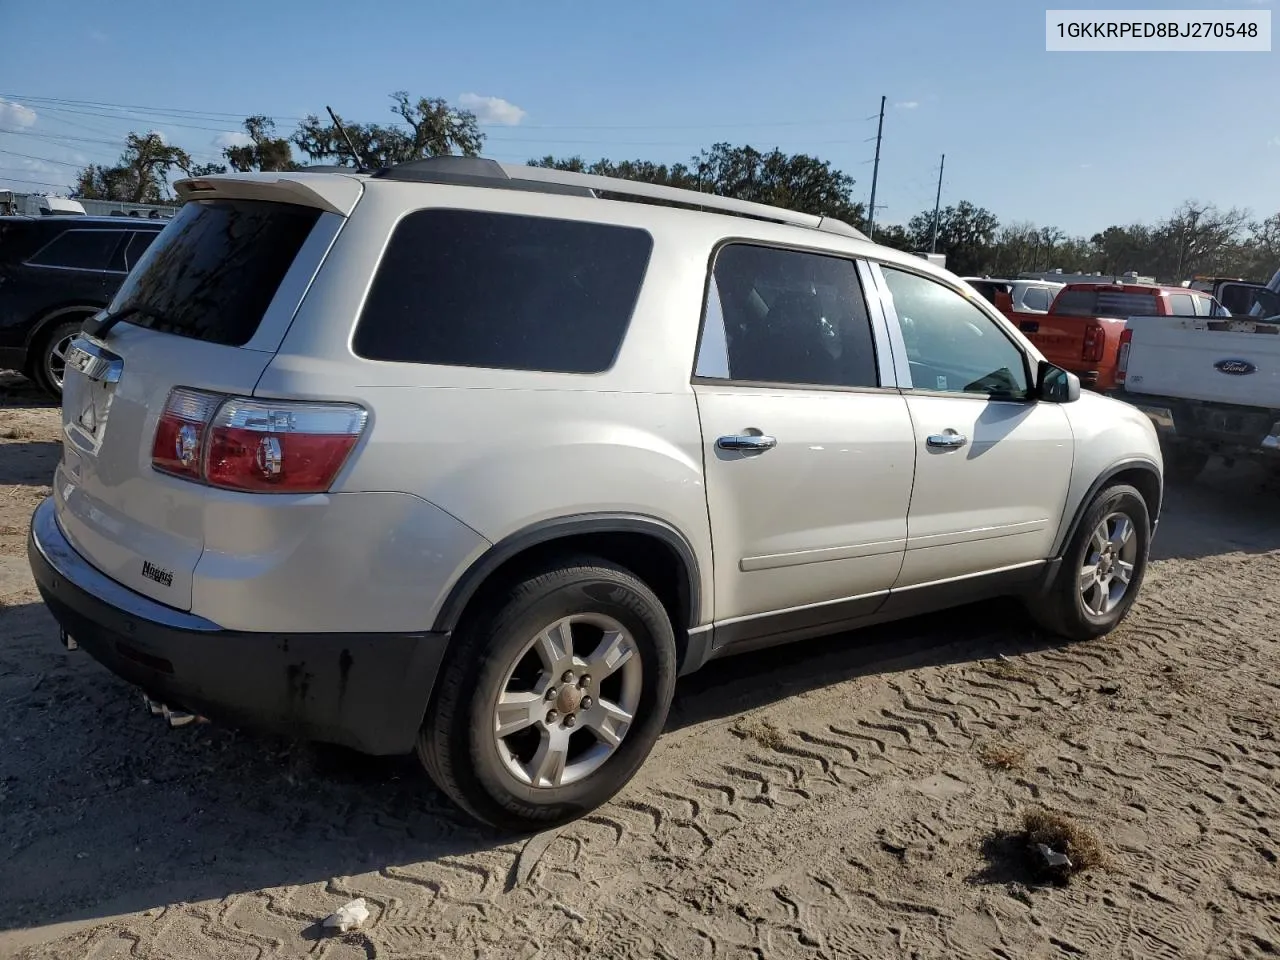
1102,569
50,362
552,696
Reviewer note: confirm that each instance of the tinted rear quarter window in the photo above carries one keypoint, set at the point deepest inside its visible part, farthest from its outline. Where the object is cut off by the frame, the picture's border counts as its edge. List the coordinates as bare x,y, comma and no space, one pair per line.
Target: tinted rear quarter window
216,269
474,289
1036,298
80,250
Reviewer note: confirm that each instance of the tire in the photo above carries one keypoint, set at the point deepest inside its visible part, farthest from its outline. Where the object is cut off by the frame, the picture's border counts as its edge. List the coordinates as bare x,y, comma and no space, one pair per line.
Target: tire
1062,609
498,650
45,368
1184,464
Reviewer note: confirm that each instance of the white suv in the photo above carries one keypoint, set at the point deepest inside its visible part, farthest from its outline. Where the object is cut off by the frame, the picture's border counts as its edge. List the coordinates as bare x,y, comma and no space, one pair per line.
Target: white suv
478,458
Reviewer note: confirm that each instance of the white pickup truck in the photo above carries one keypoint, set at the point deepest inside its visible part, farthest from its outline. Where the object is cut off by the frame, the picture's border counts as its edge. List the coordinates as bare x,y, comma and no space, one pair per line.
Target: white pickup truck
1211,385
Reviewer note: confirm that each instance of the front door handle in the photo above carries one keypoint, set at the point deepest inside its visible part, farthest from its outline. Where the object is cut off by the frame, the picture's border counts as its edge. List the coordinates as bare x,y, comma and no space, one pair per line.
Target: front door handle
747,441
947,441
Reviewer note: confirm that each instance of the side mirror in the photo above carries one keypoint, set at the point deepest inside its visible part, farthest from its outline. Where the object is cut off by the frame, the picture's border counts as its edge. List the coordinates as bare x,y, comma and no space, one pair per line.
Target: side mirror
1055,385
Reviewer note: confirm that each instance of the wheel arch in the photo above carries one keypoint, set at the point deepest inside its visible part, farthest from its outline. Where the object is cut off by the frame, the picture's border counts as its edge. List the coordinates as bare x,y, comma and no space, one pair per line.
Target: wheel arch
51,317
1140,473
652,549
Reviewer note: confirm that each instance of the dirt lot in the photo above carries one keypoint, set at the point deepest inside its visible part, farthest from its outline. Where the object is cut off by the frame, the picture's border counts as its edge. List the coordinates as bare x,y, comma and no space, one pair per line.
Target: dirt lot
851,797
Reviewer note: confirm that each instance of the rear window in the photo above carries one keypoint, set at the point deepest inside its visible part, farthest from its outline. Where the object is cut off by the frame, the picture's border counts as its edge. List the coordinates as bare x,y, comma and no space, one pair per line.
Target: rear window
1105,303
79,250
214,269
474,289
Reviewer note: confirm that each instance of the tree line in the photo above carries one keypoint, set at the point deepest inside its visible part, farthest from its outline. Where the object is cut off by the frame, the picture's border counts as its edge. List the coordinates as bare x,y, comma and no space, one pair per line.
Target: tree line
1196,238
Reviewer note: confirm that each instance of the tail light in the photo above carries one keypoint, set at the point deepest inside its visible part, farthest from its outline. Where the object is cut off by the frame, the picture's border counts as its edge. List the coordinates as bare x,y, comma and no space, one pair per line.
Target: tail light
1095,339
1122,360
262,446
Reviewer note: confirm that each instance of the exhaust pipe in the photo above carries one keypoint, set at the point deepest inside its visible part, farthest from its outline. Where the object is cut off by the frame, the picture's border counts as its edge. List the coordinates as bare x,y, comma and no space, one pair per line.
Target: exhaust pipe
175,718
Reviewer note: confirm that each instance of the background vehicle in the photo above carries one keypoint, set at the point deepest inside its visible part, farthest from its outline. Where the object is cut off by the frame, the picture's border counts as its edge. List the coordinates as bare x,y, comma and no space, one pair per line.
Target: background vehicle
55,273
436,458
998,293
1241,298
1210,385
1033,296
1081,331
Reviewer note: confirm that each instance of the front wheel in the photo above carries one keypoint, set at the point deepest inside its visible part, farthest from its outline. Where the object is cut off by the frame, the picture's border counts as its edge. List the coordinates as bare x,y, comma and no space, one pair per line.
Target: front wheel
551,698
1102,569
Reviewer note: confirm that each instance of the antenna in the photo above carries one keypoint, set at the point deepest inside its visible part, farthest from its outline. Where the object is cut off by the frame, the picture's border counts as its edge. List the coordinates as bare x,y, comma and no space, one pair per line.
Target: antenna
363,165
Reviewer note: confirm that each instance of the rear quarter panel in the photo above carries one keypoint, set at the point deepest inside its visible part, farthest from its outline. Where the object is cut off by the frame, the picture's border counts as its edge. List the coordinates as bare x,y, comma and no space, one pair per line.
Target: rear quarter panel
501,450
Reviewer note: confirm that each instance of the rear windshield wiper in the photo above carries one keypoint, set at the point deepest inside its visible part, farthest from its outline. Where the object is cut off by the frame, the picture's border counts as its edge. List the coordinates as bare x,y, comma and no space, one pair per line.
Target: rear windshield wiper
103,326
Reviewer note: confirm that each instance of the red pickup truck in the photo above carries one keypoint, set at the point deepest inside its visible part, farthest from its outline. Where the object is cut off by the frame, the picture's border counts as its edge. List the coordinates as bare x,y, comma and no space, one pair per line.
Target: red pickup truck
1081,331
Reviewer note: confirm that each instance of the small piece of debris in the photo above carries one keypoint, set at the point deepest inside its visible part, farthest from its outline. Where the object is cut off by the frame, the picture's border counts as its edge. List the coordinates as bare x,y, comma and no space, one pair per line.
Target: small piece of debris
1019,892
347,917
1109,689
1053,860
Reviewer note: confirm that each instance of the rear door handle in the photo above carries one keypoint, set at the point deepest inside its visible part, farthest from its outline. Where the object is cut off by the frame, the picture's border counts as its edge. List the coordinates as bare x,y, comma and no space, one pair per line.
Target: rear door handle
947,441
747,441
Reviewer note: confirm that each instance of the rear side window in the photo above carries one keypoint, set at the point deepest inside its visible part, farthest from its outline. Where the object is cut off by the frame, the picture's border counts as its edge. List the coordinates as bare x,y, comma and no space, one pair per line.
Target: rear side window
1036,298
1105,303
216,268
80,250
1182,305
137,246
783,316
474,289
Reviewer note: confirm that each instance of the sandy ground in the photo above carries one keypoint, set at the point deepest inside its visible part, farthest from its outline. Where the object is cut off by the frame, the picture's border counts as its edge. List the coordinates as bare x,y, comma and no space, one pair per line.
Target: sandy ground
840,798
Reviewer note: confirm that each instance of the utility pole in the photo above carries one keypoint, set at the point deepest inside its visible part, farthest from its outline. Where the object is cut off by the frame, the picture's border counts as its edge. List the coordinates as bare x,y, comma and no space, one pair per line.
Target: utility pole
937,204
875,175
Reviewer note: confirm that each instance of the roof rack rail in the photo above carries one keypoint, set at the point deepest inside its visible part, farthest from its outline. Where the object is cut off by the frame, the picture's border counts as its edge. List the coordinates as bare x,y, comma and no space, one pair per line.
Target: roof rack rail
626,189
470,172
483,172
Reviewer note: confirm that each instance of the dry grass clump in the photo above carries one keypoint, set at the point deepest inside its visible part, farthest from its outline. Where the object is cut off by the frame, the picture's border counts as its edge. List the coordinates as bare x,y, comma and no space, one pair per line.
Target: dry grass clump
1059,832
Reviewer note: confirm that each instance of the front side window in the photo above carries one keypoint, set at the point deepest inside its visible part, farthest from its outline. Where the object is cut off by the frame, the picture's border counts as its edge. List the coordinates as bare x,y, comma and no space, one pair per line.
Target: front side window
952,346
784,316
503,291
80,250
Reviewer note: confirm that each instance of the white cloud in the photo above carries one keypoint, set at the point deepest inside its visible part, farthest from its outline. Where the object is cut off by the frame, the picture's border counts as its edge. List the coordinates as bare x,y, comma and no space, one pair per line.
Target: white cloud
1274,142
231,139
492,110
907,104
15,116
1085,166
97,36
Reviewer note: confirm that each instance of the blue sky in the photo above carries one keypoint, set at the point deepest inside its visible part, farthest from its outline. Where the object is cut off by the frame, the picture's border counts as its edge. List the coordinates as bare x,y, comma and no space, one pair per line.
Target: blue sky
1080,140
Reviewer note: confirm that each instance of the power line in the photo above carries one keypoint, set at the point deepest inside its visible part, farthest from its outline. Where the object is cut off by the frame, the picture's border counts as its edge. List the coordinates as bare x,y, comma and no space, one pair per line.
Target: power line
173,115
27,156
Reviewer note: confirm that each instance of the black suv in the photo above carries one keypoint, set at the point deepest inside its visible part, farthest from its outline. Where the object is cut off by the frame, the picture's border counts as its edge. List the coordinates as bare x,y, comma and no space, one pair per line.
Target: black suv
55,273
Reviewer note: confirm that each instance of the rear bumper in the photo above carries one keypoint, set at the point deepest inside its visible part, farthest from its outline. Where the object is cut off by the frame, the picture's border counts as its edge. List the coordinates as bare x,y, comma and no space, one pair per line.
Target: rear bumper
1175,421
365,691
